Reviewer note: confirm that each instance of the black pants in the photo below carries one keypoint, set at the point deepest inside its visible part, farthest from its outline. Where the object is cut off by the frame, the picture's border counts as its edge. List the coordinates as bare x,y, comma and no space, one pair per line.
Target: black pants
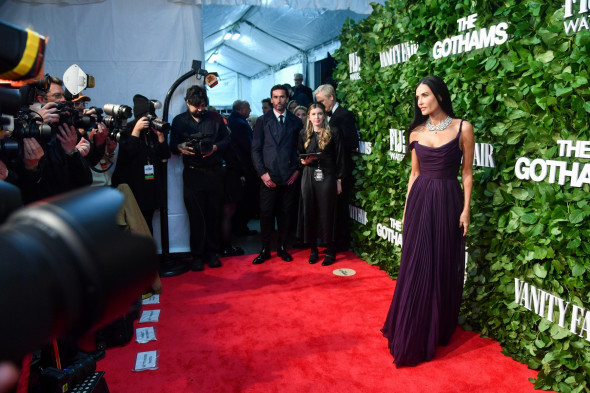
342,227
203,195
279,201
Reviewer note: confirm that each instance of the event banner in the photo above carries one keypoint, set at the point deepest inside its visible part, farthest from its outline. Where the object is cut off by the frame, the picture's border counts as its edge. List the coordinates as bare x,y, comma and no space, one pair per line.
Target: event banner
518,72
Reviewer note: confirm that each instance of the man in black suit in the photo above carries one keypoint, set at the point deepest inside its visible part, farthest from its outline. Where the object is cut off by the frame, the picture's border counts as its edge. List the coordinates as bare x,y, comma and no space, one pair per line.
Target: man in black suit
344,121
301,93
274,155
241,147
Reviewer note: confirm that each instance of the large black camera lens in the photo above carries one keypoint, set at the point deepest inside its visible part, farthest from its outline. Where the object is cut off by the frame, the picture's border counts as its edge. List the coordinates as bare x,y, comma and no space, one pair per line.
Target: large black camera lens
66,268
122,111
10,149
41,132
159,125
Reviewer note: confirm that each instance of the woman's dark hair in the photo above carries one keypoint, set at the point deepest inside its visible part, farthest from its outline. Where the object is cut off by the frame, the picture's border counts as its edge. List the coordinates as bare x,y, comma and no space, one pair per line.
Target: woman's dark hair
197,95
440,91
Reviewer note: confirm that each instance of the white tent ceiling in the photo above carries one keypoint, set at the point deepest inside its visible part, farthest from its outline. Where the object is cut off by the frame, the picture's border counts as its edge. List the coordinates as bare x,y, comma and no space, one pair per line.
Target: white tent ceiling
136,46
270,38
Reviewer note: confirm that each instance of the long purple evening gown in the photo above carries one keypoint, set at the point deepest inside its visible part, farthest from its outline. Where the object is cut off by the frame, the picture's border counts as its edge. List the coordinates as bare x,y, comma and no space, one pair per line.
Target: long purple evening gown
425,306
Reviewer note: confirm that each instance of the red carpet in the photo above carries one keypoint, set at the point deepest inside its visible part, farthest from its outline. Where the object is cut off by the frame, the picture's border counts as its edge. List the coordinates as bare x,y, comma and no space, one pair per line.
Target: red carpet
295,327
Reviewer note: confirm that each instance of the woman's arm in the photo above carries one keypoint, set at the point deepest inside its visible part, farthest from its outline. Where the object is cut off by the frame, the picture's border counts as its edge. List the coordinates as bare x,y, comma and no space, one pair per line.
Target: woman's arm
414,173
468,147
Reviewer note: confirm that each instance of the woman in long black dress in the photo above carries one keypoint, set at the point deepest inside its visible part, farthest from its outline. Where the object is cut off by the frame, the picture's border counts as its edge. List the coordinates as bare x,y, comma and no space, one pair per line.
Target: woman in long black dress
323,168
425,305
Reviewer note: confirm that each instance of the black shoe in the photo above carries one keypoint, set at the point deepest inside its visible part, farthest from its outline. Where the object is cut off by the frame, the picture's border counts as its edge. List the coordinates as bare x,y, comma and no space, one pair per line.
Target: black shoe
197,264
213,261
232,251
329,259
313,256
263,256
285,256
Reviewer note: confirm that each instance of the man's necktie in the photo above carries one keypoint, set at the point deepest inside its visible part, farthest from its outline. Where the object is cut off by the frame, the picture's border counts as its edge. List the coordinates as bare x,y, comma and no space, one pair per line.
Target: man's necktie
281,120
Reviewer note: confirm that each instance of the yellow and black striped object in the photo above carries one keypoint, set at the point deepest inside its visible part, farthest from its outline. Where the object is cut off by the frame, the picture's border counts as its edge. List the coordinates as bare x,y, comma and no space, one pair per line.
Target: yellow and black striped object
22,53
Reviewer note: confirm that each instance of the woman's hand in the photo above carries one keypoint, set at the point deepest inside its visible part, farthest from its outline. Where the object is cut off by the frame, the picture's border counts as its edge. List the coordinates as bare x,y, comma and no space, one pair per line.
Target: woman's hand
338,187
141,124
464,221
307,160
67,137
32,153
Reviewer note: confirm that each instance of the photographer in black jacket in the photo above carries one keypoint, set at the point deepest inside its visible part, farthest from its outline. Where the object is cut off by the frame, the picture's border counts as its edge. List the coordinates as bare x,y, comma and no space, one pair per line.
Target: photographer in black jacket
63,167
201,136
139,163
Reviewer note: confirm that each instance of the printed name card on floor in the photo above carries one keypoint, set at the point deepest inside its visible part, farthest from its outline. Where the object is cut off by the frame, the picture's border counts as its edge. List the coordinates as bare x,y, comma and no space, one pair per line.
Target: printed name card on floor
149,316
154,299
145,335
146,361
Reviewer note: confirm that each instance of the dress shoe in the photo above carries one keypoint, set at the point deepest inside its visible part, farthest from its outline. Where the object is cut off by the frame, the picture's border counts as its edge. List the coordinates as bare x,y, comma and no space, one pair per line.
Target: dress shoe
263,256
329,259
232,251
197,264
213,261
313,256
285,256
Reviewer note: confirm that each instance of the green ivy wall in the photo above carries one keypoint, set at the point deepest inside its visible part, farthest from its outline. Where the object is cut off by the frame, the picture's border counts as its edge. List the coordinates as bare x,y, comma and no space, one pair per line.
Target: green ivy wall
522,97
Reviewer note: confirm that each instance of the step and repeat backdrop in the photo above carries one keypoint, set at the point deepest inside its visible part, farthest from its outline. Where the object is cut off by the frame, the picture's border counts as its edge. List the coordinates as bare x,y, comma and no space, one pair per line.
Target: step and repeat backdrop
519,72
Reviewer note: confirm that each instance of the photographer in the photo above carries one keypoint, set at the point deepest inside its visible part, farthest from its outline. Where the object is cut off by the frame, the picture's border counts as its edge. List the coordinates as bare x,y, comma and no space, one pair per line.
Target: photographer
141,151
201,136
93,130
63,168
25,173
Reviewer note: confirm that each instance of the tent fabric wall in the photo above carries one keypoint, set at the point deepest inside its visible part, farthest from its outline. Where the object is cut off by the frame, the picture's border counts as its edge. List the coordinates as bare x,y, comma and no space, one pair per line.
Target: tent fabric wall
133,47
135,52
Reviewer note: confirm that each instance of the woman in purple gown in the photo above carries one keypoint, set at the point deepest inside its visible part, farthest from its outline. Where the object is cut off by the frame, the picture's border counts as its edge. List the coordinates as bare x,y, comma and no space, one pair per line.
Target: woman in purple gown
425,306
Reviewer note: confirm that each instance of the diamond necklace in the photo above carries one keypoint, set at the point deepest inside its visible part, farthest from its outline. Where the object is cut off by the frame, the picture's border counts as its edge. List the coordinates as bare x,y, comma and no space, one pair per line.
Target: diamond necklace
438,127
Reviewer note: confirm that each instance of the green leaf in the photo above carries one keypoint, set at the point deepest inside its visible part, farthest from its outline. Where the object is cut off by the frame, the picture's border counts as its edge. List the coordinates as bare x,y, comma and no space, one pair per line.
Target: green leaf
545,57
540,270
529,218
520,194
558,333
577,216
578,270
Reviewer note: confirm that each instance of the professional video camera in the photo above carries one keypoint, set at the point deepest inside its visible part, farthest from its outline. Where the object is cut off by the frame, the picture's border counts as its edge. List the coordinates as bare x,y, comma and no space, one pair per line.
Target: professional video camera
116,121
201,143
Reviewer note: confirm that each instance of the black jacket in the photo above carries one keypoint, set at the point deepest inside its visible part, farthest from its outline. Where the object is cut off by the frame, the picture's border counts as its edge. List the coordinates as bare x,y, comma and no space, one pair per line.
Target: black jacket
275,150
211,129
344,121
134,154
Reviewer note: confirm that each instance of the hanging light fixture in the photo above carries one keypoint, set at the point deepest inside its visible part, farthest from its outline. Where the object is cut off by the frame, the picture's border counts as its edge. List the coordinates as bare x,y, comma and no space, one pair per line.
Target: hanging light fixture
232,34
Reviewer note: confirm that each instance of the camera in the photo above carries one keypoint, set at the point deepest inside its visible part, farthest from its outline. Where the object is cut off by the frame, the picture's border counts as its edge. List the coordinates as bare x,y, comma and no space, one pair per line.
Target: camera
66,269
24,125
116,119
201,143
159,125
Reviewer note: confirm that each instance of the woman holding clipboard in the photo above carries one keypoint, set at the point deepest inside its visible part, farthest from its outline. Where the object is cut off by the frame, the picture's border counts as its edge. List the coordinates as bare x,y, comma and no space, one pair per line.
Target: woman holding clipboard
320,150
